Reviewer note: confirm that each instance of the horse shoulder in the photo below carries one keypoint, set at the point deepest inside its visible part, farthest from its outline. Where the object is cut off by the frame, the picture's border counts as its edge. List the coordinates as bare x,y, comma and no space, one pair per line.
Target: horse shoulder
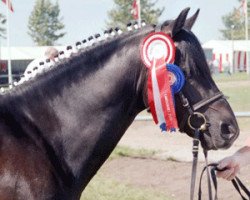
25,170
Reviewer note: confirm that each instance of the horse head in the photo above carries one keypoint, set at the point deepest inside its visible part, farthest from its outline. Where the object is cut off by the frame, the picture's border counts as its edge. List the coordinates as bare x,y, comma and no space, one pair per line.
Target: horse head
200,91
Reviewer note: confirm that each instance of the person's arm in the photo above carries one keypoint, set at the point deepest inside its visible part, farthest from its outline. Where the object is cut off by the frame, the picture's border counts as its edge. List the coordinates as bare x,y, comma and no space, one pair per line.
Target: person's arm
234,163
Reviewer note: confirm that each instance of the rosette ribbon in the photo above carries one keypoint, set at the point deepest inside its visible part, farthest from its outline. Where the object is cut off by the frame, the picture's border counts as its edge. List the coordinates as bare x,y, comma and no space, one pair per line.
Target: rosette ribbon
158,49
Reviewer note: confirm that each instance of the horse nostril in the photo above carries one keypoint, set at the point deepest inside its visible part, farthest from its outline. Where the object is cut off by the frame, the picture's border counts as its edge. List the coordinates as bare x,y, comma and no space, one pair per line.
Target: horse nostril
227,131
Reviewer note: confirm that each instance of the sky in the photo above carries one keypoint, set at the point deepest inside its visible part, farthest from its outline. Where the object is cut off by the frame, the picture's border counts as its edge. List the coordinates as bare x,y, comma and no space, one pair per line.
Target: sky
83,18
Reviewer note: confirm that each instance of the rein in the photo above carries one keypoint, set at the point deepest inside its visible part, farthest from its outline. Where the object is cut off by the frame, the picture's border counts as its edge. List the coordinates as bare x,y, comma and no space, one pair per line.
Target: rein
192,111
238,185
157,52
192,116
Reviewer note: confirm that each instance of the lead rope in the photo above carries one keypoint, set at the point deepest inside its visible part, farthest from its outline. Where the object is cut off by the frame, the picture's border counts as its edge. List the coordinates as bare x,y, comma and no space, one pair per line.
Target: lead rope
196,142
194,170
195,151
214,182
210,194
238,185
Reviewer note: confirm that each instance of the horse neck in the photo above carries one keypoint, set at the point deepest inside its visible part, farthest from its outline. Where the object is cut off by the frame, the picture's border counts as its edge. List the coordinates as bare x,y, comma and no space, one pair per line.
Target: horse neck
83,120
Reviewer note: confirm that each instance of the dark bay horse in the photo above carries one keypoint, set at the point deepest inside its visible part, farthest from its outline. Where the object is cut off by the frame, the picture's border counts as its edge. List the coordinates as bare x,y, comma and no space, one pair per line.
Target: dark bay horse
57,129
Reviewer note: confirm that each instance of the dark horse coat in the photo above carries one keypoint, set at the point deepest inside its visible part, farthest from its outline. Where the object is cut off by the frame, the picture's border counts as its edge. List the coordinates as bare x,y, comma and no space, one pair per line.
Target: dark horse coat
57,129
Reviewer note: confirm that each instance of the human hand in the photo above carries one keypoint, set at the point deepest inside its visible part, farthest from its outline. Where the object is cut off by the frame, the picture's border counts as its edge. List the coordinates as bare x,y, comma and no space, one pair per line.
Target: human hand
230,166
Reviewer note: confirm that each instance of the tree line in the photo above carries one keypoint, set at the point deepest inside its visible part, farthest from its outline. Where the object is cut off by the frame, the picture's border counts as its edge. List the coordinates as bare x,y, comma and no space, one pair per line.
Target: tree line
46,27
234,22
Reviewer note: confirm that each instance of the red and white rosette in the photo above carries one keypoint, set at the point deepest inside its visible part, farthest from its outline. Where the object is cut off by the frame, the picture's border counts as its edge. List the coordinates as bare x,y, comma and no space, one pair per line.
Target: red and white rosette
157,50
156,46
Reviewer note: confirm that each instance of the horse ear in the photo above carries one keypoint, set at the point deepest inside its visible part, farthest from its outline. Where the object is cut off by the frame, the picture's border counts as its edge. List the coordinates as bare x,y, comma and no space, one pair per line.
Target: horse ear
174,26
190,21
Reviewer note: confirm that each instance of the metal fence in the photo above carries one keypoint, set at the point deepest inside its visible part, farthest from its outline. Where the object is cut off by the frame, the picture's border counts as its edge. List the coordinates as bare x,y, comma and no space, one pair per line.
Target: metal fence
149,117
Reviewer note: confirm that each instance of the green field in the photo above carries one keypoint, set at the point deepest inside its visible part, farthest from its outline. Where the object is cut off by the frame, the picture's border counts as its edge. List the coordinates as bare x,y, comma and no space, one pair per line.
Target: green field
237,88
239,97
223,77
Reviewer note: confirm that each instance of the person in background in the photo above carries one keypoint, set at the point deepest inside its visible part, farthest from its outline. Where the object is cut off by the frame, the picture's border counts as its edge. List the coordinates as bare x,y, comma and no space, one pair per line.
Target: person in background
232,164
33,68
50,53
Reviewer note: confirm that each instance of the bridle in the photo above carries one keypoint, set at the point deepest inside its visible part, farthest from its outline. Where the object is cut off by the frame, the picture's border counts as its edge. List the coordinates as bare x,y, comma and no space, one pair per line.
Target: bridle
198,129
191,109
192,113
185,103
189,116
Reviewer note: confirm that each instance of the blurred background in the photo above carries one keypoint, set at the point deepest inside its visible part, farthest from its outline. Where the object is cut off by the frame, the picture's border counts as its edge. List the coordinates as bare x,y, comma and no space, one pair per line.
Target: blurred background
25,28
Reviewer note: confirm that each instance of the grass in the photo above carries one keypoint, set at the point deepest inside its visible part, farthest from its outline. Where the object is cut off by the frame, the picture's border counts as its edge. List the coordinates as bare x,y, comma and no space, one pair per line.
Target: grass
239,97
124,151
106,189
101,188
223,77
237,88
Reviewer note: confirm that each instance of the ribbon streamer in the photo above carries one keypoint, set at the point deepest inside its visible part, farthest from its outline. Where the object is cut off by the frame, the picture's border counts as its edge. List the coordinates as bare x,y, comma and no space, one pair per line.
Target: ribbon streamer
163,80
